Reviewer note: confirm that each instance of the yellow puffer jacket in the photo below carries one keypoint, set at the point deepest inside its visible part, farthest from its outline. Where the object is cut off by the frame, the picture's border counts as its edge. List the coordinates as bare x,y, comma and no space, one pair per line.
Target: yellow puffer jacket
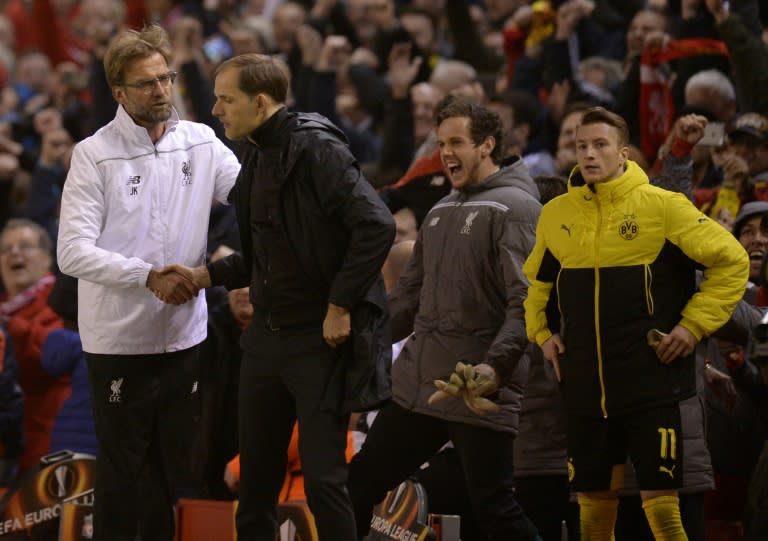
622,257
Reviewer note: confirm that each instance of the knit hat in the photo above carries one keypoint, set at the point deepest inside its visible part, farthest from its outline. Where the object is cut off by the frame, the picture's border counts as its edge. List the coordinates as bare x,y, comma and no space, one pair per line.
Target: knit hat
750,210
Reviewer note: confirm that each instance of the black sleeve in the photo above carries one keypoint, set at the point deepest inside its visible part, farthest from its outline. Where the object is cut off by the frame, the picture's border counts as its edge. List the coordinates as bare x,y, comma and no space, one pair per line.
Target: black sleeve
230,272
343,191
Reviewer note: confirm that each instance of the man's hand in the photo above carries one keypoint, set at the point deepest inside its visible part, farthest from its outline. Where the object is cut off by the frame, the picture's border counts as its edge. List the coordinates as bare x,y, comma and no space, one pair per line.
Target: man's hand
337,325
402,70
552,348
735,168
656,39
480,380
198,276
472,383
568,16
690,128
334,53
310,43
171,287
721,385
678,343
685,133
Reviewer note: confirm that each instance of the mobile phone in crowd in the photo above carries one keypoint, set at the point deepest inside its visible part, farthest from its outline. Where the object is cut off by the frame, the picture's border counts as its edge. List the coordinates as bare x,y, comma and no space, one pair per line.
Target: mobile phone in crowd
714,134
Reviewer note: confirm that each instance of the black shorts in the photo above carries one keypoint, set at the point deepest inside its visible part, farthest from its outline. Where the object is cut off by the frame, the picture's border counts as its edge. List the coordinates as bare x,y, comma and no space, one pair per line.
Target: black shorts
598,449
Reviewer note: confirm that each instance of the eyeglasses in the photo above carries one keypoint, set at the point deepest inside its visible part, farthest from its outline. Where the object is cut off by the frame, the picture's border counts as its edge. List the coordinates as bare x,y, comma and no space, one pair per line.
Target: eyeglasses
148,85
24,248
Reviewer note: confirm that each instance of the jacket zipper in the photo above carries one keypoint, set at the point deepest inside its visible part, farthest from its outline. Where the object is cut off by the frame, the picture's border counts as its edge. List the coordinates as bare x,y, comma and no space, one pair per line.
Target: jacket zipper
161,217
648,293
597,308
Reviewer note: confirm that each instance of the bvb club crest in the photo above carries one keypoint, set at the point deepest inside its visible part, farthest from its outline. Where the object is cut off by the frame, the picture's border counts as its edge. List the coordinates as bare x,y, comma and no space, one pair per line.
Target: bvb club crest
628,229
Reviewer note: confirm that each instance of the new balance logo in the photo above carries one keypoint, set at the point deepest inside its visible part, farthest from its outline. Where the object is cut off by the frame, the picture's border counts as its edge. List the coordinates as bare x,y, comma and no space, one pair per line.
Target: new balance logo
116,397
133,184
669,471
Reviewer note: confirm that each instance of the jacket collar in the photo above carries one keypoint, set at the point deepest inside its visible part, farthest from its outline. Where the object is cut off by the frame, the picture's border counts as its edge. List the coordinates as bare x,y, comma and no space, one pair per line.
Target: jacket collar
139,133
613,189
271,131
512,172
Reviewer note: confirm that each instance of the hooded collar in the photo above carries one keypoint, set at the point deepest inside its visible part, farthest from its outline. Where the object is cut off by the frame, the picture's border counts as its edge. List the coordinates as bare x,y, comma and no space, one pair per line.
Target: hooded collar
513,172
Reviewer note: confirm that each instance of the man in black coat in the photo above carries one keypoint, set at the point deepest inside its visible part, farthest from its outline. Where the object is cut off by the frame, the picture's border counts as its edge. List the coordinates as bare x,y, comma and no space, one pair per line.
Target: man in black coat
314,235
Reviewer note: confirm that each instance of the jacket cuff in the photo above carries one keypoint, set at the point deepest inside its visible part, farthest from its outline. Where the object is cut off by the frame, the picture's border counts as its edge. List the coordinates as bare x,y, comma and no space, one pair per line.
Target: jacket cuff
694,329
542,336
216,279
143,276
681,147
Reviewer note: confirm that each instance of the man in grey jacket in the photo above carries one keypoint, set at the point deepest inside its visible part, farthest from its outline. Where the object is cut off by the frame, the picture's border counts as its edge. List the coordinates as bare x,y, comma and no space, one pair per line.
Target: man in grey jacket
462,296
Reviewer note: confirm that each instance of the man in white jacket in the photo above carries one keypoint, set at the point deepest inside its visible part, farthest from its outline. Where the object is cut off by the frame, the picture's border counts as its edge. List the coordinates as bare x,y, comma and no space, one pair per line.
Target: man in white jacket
137,198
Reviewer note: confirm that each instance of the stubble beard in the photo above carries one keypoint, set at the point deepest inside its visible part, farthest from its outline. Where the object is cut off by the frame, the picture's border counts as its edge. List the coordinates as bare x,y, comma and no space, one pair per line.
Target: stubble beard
153,115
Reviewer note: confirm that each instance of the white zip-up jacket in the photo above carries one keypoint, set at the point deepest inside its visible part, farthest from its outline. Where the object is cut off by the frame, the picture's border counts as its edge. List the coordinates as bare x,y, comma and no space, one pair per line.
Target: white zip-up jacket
129,206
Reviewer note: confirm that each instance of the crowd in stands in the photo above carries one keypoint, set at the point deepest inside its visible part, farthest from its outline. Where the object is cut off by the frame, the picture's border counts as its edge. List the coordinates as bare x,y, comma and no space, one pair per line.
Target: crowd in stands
377,69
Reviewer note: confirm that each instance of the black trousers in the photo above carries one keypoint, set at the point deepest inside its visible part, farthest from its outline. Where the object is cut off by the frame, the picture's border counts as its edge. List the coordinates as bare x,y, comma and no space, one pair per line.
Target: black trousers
282,380
146,411
400,441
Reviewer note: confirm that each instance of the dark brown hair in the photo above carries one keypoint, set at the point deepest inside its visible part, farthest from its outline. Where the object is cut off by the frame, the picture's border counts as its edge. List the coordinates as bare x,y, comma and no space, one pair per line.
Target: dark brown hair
483,122
259,73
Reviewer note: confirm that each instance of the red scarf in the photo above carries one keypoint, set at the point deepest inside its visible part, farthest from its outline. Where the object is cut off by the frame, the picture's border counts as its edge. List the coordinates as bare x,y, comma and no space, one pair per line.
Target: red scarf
10,306
657,111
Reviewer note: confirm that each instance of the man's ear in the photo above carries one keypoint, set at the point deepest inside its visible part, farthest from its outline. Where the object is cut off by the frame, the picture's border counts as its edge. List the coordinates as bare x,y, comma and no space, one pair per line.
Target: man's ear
118,92
487,146
624,155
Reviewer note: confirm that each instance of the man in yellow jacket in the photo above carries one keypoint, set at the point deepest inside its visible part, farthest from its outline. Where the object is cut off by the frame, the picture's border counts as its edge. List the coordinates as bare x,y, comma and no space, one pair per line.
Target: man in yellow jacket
612,276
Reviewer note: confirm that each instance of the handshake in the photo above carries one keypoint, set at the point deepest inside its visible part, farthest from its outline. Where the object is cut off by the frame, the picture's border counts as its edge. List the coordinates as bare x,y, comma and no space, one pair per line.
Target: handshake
472,383
176,284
